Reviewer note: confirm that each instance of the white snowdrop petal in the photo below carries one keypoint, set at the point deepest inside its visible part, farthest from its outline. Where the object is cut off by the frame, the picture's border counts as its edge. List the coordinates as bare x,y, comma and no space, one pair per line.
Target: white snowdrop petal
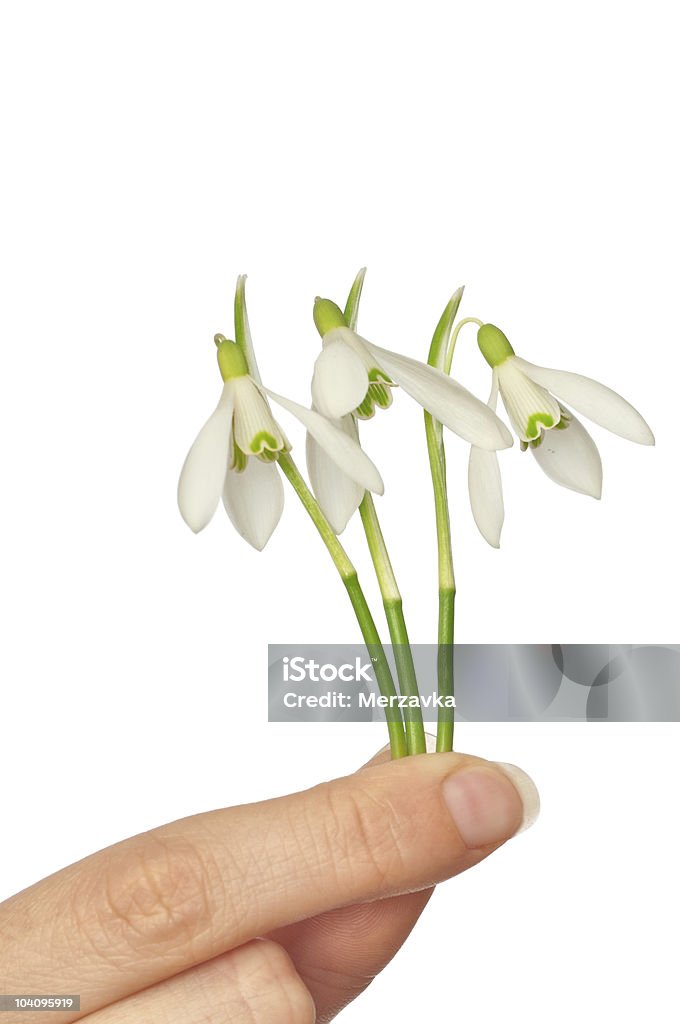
593,400
205,467
255,429
492,401
530,407
340,379
253,500
355,343
445,399
338,495
486,494
345,452
570,458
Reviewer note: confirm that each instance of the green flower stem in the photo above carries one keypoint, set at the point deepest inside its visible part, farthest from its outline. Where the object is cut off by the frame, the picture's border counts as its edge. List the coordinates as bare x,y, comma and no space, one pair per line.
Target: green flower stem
408,683
441,355
454,338
367,625
447,582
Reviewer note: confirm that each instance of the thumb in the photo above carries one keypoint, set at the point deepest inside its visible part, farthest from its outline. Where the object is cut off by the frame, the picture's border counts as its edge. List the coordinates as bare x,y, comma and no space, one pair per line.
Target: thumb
339,952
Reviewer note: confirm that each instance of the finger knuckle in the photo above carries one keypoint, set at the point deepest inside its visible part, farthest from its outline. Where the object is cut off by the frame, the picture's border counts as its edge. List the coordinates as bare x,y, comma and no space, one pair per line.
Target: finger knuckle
271,987
154,895
364,835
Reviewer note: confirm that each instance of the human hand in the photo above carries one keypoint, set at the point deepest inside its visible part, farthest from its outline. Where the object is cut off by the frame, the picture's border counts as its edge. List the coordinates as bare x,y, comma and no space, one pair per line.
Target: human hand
278,912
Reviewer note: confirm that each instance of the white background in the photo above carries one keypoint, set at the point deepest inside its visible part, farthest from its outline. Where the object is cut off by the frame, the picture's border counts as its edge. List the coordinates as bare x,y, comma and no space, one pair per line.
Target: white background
151,153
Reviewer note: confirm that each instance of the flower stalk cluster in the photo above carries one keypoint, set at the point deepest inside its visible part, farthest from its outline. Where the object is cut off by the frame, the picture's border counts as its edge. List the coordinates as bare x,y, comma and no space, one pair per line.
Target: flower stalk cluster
242,453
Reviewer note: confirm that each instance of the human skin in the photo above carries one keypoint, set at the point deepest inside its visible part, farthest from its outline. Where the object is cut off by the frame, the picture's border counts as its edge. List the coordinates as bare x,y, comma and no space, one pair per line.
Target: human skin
278,912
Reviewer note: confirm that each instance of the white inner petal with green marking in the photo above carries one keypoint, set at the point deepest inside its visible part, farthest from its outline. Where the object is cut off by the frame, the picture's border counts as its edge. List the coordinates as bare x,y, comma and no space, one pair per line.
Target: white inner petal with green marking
256,432
379,383
530,407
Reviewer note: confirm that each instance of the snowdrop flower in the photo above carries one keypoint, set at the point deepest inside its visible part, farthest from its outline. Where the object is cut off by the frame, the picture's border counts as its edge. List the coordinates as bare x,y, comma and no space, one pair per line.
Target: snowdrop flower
235,453
352,377
563,448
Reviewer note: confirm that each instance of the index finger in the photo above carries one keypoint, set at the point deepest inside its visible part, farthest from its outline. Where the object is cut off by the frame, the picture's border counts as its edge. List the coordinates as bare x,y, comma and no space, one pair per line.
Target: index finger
149,907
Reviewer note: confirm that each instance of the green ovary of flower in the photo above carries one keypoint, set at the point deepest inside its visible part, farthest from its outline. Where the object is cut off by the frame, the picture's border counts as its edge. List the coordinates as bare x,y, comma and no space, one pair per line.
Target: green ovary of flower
493,345
327,315
231,360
